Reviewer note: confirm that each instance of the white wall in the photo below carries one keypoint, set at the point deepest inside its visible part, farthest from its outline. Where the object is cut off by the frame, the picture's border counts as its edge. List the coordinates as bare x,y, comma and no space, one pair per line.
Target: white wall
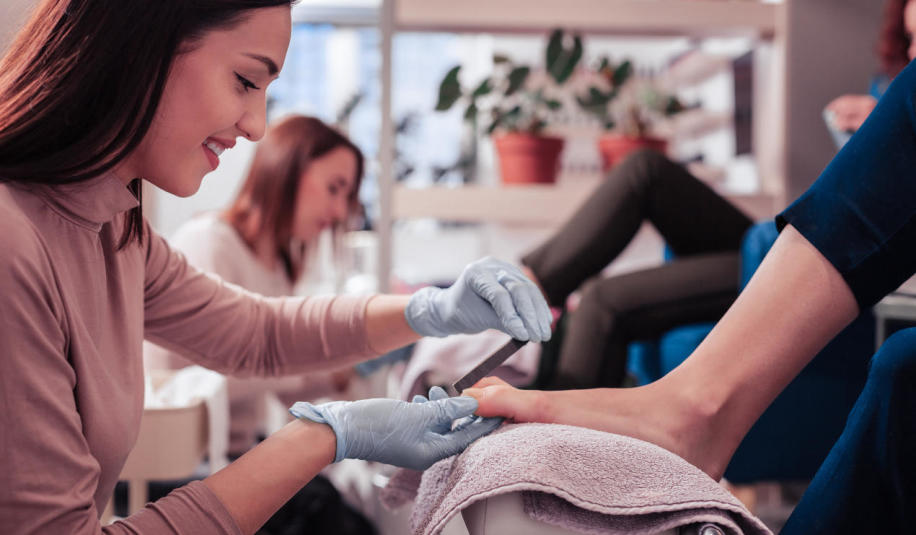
13,14
167,212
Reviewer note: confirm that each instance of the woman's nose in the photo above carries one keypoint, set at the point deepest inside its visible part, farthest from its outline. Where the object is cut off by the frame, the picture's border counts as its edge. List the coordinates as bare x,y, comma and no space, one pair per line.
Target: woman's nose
253,122
340,210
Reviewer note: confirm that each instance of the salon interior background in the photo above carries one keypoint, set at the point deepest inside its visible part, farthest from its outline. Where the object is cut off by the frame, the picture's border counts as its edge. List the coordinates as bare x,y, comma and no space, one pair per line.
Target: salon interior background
333,56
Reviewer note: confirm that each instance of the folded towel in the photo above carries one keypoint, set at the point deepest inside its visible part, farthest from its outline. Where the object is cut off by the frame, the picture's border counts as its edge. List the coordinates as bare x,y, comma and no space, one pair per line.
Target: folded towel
580,479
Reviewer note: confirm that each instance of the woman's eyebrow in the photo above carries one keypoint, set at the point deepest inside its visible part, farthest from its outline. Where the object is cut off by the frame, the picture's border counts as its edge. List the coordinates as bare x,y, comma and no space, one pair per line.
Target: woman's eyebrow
269,63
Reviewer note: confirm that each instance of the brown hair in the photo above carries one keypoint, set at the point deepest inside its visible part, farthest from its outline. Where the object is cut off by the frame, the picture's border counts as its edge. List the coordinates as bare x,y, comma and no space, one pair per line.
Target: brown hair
81,83
267,200
894,41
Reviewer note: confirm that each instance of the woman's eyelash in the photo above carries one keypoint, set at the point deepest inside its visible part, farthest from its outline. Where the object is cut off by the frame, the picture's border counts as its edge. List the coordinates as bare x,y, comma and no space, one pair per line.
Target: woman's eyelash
246,83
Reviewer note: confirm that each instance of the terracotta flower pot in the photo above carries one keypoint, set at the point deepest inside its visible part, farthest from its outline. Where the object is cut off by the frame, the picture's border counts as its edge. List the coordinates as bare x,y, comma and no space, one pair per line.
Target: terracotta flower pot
615,147
528,159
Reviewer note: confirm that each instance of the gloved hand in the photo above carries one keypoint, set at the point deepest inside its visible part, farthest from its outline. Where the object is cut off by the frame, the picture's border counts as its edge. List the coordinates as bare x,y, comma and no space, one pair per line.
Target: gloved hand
412,435
436,393
489,294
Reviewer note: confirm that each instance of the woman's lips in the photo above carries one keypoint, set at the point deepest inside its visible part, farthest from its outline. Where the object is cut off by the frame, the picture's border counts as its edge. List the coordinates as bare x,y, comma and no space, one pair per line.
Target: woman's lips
211,157
214,147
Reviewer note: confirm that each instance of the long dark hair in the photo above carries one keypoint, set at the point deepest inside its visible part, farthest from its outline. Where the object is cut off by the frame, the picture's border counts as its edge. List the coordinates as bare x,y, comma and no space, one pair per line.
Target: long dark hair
81,83
894,41
267,200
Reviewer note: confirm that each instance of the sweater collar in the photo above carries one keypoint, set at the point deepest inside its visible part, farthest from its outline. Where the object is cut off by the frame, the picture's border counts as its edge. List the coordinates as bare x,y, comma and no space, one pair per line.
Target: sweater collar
91,202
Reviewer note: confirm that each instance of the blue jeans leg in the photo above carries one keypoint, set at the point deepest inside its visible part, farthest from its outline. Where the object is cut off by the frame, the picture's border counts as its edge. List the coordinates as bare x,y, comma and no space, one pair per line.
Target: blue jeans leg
867,484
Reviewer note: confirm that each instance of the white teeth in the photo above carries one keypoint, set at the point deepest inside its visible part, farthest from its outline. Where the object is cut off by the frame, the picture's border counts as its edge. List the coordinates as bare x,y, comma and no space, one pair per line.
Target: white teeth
216,148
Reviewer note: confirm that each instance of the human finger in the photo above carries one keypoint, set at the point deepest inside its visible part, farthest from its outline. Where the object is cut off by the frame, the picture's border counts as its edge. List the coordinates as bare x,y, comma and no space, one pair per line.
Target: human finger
487,286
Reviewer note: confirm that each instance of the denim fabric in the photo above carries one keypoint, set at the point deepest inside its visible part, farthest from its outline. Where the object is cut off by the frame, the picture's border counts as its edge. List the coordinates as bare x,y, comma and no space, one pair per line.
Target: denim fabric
867,484
861,212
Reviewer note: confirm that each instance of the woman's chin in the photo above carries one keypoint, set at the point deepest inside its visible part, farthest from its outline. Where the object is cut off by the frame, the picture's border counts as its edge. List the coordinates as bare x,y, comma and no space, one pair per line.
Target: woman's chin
183,188
307,235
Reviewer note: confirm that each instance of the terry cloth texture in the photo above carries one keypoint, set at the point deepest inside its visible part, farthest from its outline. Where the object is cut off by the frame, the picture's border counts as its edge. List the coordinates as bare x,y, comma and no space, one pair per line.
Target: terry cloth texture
580,479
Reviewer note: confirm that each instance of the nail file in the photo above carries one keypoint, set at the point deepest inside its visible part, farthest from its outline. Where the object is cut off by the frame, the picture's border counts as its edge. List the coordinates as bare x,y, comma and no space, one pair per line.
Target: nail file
488,365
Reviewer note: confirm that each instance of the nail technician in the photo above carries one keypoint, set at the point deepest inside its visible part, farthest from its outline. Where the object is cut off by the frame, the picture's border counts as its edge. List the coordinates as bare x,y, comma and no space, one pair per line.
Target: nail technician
96,96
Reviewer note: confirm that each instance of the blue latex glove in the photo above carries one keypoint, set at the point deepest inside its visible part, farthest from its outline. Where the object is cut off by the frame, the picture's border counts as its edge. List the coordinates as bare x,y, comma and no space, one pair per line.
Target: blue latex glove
436,393
489,294
412,435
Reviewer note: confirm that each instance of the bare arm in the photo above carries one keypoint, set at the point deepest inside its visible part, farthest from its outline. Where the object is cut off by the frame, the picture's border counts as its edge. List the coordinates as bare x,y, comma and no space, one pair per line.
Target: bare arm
386,326
795,303
261,481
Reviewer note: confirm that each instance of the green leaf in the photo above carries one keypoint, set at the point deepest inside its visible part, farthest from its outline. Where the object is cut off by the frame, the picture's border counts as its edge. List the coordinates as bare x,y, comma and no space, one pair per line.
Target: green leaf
497,121
449,90
622,73
599,109
573,60
471,113
497,116
554,104
597,97
566,63
517,79
485,87
554,49
605,64
510,119
536,126
673,106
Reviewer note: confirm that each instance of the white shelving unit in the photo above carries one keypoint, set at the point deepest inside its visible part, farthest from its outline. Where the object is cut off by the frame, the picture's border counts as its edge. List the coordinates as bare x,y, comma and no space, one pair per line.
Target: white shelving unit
540,205
637,17
537,204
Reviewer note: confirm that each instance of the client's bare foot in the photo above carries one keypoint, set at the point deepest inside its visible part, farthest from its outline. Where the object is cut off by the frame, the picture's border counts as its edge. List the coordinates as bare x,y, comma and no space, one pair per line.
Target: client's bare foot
652,413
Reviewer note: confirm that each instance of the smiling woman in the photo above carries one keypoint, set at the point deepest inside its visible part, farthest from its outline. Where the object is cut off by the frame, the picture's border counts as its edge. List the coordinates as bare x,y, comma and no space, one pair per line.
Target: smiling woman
55,131
94,97
215,94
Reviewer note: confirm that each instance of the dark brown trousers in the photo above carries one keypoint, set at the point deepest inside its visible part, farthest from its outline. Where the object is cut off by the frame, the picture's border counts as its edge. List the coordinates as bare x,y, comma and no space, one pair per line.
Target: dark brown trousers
703,229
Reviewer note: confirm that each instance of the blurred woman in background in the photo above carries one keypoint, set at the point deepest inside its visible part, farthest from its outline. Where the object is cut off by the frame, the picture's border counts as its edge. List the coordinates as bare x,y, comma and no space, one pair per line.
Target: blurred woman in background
303,180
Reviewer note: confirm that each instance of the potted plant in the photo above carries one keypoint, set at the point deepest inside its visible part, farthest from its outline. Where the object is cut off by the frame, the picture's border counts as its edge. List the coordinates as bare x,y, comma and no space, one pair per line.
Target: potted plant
627,108
516,104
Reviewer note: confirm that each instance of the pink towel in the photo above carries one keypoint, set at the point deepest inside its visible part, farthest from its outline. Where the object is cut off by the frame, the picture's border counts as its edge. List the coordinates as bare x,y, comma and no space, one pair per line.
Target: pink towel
583,480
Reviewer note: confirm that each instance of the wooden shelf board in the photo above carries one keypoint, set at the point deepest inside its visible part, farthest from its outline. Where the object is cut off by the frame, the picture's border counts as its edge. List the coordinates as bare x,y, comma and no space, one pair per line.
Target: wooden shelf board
536,205
642,17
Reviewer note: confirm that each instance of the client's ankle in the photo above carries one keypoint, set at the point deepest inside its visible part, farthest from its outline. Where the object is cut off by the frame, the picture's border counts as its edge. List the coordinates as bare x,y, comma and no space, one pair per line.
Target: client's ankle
695,426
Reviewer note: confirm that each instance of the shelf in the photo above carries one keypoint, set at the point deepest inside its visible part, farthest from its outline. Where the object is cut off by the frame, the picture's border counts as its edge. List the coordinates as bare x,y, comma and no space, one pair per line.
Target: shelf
337,12
537,204
642,17
697,123
696,67
534,205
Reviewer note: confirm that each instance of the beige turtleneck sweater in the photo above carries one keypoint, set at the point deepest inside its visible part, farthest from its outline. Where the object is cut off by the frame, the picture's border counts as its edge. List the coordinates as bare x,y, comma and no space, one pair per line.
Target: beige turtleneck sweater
73,314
